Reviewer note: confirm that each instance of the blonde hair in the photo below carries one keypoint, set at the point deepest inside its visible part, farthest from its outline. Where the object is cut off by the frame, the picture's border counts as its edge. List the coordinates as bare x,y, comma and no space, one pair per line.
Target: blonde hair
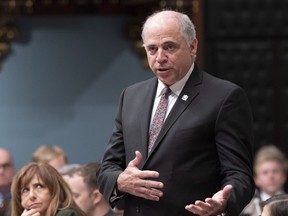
46,153
59,190
268,153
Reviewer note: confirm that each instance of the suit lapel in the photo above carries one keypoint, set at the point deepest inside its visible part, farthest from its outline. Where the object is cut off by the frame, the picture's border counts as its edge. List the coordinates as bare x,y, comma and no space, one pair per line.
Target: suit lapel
186,97
148,101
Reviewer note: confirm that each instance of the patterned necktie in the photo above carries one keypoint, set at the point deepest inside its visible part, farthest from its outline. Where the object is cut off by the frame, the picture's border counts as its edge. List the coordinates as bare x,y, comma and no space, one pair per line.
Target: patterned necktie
159,117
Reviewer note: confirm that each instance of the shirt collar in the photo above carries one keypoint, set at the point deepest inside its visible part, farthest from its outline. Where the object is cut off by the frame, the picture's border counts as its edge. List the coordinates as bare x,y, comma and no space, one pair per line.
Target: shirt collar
264,196
177,87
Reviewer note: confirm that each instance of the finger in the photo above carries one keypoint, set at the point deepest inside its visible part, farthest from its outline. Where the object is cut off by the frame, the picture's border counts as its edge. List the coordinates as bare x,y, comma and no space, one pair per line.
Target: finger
226,191
149,193
151,184
25,211
137,160
205,207
213,203
30,212
194,209
147,174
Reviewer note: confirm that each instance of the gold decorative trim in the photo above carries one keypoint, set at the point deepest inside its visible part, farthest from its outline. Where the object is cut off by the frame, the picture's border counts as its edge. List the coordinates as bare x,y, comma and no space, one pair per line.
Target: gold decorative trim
137,9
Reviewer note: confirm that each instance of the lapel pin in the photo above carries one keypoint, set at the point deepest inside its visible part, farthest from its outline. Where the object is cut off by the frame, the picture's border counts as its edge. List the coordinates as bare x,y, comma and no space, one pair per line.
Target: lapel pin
184,97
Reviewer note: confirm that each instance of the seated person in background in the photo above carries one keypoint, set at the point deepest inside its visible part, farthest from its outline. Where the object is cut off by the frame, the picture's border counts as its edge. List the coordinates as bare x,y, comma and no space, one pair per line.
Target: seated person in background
276,205
270,173
7,170
67,170
53,155
84,185
39,190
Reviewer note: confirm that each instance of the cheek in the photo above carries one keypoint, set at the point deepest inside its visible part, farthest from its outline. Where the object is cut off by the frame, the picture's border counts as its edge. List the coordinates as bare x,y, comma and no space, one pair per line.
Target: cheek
46,198
258,181
151,60
80,201
24,202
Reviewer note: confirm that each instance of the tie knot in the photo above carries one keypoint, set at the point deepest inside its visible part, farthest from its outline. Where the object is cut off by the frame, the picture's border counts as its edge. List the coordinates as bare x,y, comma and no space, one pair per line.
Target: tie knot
166,91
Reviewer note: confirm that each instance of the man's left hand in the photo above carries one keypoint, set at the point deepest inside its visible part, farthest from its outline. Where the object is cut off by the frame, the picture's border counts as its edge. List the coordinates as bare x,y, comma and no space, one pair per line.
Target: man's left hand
211,206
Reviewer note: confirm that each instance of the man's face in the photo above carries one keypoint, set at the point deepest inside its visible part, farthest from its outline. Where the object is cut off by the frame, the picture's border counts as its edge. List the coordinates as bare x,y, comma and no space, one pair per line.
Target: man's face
58,162
270,177
6,169
169,56
81,193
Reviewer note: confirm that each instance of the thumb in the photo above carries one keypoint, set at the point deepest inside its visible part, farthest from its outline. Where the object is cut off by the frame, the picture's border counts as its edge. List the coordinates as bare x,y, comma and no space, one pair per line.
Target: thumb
226,191
136,161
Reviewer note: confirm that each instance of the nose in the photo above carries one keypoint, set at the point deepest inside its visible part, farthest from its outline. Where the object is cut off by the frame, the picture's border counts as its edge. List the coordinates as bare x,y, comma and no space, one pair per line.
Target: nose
32,194
161,56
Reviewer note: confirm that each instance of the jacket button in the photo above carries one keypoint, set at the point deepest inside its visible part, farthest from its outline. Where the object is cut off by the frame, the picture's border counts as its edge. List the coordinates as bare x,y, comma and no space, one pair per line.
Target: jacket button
138,209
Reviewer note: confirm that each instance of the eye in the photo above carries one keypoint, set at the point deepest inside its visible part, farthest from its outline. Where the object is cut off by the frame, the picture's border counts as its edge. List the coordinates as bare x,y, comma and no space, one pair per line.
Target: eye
152,50
170,47
75,195
39,186
24,190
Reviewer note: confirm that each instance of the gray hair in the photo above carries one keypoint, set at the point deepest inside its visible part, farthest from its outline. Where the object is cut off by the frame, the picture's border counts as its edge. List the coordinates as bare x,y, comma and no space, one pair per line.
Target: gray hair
186,25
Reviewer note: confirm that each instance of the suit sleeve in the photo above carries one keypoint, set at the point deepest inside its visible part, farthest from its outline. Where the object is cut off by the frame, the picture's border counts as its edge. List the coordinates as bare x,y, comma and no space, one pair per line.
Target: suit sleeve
234,140
113,162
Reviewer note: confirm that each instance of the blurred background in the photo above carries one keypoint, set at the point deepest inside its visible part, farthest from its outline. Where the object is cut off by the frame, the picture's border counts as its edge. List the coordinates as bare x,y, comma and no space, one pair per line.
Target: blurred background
64,63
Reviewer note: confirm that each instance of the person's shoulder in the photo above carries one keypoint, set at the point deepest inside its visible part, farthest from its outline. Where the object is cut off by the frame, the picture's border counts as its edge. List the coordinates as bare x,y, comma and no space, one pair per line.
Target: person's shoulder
221,88
143,84
68,212
213,80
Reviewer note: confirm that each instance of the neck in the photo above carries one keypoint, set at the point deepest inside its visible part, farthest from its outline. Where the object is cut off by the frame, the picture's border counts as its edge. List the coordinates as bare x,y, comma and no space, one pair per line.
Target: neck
101,209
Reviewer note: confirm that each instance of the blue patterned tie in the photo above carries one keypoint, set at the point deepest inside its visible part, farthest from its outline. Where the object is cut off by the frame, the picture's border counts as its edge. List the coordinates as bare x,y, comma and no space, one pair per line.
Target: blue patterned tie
159,117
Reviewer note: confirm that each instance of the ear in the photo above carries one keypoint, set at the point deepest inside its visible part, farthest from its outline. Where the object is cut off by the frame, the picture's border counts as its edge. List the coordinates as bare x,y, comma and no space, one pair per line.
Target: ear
193,47
97,196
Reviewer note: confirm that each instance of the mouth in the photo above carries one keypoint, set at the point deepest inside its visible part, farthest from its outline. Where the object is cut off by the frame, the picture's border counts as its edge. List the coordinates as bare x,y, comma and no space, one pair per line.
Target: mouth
162,70
34,205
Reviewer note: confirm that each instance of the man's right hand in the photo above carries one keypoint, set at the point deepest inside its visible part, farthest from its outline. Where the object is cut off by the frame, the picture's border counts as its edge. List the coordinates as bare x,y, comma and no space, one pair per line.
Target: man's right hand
135,181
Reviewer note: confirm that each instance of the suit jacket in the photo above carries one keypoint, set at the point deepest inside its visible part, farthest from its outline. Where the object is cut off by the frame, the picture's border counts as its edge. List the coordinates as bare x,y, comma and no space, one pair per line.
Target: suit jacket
205,144
68,212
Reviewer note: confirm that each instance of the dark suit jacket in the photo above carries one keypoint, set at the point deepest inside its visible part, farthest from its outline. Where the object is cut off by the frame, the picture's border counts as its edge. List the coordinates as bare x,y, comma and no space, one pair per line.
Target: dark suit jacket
205,144
68,212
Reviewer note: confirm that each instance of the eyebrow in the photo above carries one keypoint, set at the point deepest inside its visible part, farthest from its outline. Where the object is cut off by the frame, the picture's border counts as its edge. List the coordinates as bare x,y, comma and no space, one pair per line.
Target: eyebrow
6,164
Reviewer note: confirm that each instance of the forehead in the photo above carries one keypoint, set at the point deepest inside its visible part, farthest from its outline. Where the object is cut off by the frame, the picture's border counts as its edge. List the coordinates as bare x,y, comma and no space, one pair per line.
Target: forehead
269,163
31,179
164,30
5,157
76,182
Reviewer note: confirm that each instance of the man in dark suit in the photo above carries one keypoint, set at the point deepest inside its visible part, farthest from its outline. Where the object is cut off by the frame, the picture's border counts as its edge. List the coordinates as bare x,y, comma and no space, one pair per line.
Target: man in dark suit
7,170
201,161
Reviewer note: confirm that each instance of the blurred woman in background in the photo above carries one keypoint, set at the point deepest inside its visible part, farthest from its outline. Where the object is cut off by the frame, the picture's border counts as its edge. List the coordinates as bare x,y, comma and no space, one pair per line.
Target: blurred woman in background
39,190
